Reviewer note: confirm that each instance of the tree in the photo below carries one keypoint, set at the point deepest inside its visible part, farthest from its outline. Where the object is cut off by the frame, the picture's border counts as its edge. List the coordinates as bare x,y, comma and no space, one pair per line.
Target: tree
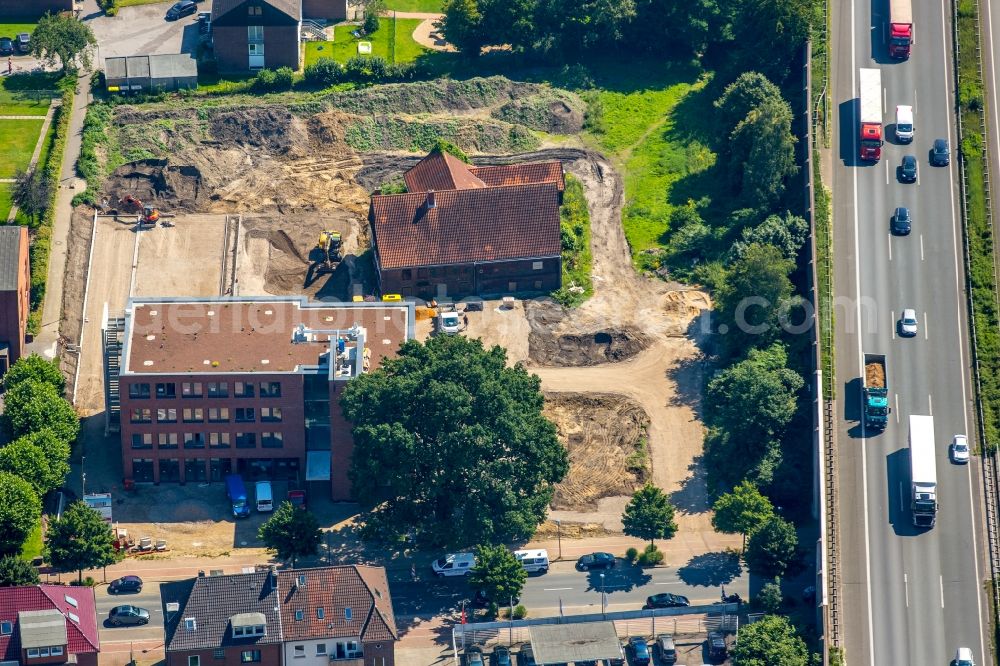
20,511
462,26
788,234
451,445
769,598
38,368
291,532
25,459
80,540
31,192
509,22
17,572
749,91
498,574
753,297
373,9
32,406
770,33
764,144
56,452
773,548
64,39
688,24
566,28
649,515
741,511
771,641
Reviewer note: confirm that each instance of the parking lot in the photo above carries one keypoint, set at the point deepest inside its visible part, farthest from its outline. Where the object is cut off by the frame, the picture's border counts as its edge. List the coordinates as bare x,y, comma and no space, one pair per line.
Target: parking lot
143,30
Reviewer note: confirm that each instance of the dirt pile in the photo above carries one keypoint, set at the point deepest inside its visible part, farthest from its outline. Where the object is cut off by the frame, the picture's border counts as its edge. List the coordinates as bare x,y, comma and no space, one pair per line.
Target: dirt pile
549,343
874,375
157,182
558,112
605,436
270,128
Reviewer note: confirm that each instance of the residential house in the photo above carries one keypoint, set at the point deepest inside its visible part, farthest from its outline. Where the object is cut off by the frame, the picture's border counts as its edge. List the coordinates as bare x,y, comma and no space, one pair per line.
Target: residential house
255,34
48,624
15,296
463,230
325,10
339,615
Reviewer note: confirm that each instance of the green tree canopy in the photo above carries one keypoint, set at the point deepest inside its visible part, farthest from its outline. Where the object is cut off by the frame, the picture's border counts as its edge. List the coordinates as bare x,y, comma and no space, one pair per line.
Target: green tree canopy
62,39
25,459
769,34
451,445
773,548
31,192
32,406
38,368
741,511
498,574
56,452
749,91
788,234
764,145
20,511
755,294
16,572
291,532
649,515
689,25
462,26
770,598
771,641
80,540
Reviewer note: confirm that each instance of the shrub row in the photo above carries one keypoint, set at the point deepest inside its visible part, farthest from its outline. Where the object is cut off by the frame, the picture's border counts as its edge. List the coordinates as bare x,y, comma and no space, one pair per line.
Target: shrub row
327,71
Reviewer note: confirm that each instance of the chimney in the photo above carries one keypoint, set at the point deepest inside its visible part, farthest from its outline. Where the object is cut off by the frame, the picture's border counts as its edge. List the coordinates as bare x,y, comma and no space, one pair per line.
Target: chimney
430,199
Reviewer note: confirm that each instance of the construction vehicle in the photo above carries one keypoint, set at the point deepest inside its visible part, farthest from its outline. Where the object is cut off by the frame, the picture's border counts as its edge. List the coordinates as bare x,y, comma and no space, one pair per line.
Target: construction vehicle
871,114
876,393
330,245
900,28
923,471
148,215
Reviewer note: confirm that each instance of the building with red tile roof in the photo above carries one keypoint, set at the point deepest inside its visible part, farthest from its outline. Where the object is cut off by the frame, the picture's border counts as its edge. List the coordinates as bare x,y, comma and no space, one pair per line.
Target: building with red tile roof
464,230
49,624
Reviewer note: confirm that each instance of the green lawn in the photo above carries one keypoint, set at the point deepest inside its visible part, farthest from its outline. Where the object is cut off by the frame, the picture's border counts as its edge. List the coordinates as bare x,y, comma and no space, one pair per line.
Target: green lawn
4,202
26,95
345,46
32,547
427,6
17,142
11,29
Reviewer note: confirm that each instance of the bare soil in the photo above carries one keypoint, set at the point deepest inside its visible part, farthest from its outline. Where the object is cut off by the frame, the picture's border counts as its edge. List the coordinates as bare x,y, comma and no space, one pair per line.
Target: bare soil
605,435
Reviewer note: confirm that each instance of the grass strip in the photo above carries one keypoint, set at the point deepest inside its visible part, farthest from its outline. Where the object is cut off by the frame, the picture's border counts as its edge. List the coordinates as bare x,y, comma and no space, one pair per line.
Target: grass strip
824,278
576,255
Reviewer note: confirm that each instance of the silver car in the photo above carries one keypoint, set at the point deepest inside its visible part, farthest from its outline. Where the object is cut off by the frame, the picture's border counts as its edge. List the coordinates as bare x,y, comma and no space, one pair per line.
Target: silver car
959,450
908,323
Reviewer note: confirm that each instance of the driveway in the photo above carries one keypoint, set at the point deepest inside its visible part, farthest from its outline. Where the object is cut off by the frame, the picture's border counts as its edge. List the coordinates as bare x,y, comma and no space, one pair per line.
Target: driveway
143,30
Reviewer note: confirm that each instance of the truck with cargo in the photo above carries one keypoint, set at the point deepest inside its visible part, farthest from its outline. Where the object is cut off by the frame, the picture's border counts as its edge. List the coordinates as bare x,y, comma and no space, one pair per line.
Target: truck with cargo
871,115
923,471
876,392
900,28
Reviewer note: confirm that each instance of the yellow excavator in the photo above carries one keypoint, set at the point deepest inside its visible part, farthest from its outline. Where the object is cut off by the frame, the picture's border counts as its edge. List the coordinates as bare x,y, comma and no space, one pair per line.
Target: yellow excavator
330,246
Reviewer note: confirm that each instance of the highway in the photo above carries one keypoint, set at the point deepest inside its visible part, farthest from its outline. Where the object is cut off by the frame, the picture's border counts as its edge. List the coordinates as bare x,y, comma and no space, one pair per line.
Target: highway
908,596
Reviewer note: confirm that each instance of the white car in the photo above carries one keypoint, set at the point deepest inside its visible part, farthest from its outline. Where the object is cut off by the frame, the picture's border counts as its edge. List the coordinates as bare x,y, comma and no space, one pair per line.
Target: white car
449,322
963,657
959,450
908,323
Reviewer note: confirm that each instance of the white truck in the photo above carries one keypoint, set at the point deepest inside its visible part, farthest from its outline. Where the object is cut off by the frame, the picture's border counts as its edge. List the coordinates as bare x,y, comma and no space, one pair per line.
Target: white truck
923,471
904,123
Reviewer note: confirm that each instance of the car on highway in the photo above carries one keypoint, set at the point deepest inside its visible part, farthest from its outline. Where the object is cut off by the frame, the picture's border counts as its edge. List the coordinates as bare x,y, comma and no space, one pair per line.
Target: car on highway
666,600
901,221
940,154
132,615
181,9
501,656
6,46
474,656
908,323
596,561
959,449
963,657
908,169
125,584
640,651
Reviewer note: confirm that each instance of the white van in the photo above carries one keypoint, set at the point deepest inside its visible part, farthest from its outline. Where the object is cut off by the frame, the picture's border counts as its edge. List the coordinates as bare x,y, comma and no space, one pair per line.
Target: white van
904,124
533,561
265,499
454,564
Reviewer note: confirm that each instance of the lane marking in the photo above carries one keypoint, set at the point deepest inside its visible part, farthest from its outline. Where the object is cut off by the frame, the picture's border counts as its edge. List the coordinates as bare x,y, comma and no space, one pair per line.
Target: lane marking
896,398
941,581
676,582
926,327
892,323
921,247
890,246
555,589
930,405
885,104
887,172
906,587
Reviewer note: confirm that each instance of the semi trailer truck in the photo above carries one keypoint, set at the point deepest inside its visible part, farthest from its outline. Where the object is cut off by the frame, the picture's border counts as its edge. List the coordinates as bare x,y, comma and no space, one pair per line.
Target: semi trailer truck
900,28
923,471
871,115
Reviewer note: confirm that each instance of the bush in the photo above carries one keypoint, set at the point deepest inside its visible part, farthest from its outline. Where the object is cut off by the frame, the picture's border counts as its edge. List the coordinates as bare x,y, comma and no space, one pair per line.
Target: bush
283,78
520,612
631,554
325,72
651,556
265,81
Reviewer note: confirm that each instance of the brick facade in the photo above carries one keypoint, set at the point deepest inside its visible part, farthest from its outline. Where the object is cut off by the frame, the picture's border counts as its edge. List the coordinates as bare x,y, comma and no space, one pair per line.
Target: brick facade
266,26
270,655
14,301
487,279
329,10
33,8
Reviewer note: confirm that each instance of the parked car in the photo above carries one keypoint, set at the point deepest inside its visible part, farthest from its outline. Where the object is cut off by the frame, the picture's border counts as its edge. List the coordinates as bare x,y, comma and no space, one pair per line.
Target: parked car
125,584
449,323
474,656
131,615
596,561
940,154
181,9
666,600
901,221
526,657
959,450
23,42
717,646
908,169
640,651
665,649
6,46
501,656
908,323
454,564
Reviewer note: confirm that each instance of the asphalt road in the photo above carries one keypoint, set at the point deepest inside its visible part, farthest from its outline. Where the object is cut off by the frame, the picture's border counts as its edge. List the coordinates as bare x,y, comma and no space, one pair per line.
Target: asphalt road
149,599
909,596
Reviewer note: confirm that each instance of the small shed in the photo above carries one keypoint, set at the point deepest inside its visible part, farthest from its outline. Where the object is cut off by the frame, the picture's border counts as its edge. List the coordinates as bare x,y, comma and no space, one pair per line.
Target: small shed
575,642
149,73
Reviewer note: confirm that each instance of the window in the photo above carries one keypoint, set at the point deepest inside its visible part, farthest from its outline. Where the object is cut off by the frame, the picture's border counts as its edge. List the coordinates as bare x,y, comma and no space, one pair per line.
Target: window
248,630
255,33
194,660
218,389
511,286
194,440
168,415
271,440
167,440
243,389
190,623
142,440
6,628
320,649
256,48
299,615
142,416
196,415
421,273
191,389
537,265
166,390
219,653
319,613
218,414
244,414
246,440
138,391
538,284
56,650
250,656
300,651
270,414
218,440
32,653
434,272
407,274
270,389
348,614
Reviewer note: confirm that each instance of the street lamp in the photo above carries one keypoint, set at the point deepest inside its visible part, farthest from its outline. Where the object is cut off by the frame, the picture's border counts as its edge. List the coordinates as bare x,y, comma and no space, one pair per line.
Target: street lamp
83,476
602,594
559,537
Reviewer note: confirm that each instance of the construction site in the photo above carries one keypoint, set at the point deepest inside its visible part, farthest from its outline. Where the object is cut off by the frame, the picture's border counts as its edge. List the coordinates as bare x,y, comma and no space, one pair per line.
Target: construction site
273,200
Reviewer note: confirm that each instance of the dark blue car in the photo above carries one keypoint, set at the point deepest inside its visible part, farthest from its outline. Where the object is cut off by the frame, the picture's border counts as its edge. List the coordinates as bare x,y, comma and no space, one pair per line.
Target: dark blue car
640,651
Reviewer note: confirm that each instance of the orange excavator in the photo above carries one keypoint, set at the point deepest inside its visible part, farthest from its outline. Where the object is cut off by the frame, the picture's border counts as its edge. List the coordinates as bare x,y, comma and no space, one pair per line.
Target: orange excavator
148,215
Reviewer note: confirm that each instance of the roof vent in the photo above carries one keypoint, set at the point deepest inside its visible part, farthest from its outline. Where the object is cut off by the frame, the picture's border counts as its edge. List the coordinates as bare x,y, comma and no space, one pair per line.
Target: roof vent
147,363
150,337
152,313
211,313
431,202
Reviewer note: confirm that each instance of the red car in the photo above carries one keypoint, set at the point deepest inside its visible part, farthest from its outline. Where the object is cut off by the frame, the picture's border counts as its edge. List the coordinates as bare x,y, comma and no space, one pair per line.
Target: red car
297,498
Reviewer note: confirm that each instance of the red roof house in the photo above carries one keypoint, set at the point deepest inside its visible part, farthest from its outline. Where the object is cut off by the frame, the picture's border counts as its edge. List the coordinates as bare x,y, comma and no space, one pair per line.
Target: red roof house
464,230
49,624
